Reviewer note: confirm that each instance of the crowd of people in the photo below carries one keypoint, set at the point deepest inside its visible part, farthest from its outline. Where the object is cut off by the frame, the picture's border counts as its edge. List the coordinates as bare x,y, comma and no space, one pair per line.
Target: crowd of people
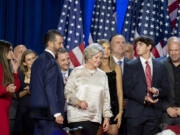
112,93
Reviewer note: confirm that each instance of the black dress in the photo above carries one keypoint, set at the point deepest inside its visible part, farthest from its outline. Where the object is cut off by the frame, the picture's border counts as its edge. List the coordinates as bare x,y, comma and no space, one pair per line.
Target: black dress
24,123
113,95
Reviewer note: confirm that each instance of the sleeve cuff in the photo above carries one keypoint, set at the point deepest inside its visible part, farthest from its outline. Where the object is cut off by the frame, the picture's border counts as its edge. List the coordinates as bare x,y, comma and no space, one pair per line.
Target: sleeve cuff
57,114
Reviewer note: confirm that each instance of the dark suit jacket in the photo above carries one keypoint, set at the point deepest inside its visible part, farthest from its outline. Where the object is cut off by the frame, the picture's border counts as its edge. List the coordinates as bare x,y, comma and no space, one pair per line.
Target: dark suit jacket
69,71
47,88
135,89
171,96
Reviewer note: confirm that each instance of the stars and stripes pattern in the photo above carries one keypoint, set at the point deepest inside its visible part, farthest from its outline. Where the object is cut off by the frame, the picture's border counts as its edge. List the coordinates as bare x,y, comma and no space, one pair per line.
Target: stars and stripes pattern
103,24
173,8
150,18
177,26
71,27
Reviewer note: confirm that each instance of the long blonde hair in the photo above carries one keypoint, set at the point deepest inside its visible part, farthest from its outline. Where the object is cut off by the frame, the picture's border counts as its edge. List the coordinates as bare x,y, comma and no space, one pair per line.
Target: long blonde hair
110,63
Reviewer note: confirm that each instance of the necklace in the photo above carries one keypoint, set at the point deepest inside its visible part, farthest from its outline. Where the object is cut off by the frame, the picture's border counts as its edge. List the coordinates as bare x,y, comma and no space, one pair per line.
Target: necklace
91,72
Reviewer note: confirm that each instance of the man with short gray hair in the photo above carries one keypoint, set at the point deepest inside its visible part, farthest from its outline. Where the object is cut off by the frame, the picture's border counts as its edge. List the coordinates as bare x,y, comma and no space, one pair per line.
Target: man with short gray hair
172,106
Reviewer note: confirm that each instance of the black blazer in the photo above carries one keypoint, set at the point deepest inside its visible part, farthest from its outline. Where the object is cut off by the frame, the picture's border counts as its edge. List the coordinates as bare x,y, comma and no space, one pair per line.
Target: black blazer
135,89
47,88
171,96
24,101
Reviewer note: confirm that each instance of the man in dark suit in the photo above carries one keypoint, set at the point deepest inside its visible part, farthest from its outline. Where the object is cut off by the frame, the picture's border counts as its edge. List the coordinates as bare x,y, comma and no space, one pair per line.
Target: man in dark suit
63,60
117,49
172,106
118,42
47,88
146,87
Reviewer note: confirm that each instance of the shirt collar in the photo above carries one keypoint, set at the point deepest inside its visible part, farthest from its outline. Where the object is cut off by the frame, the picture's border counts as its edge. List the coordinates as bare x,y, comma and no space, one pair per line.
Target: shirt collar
49,51
144,60
116,60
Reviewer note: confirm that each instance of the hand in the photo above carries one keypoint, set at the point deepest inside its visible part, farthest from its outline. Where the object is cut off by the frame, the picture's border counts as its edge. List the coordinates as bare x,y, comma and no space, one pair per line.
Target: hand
27,89
106,124
154,90
15,65
59,119
82,104
118,118
11,88
150,100
178,111
171,112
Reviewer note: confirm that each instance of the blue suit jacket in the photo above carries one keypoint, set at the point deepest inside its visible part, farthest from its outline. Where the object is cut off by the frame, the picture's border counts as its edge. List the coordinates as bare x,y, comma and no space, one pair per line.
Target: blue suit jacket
47,88
135,89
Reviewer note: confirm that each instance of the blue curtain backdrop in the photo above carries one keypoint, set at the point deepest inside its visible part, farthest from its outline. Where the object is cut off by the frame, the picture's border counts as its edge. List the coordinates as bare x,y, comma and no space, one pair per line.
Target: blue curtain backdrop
26,21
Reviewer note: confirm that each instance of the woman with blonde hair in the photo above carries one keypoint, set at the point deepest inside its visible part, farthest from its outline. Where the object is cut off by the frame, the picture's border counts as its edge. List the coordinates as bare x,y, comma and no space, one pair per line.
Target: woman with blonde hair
23,123
114,74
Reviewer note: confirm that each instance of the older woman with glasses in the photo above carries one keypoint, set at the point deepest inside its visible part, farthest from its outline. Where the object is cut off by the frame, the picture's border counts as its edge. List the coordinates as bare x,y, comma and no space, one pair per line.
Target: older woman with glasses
87,93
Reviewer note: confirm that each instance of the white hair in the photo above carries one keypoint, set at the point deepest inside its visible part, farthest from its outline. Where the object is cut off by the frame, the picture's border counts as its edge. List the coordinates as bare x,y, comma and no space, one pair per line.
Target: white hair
92,50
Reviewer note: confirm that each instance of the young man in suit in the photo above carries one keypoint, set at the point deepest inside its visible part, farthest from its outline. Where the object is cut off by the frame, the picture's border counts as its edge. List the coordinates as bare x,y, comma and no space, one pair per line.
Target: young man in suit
47,87
172,106
146,87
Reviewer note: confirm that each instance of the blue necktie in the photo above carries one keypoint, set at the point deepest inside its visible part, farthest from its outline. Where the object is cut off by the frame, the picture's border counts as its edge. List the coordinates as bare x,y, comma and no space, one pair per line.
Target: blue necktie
119,62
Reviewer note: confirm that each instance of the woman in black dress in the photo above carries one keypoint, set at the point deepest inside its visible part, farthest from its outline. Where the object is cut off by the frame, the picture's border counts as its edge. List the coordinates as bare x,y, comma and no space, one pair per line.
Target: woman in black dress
114,75
24,124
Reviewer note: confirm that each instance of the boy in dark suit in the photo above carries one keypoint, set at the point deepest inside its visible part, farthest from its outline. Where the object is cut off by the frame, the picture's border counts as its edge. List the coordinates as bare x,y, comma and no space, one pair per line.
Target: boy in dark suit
146,87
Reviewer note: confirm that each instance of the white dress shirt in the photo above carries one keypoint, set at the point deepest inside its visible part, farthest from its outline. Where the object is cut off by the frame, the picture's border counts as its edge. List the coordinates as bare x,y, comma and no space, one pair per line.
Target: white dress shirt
143,62
122,64
49,51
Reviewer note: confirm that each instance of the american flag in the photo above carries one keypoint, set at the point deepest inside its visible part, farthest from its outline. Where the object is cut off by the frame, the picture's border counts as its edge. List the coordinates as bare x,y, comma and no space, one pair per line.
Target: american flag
103,21
177,27
173,8
151,18
71,27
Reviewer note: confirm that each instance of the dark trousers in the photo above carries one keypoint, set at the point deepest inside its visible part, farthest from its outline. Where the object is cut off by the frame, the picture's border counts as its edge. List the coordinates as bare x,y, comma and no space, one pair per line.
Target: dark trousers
47,127
88,127
143,126
24,123
167,120
123,127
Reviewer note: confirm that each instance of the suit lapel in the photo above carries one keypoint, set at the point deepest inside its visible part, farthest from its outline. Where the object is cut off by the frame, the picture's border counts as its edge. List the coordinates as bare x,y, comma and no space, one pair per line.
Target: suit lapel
155,70
141,70
171,75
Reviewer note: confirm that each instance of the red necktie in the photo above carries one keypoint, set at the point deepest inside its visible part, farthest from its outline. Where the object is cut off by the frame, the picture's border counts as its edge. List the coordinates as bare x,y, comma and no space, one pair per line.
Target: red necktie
148,77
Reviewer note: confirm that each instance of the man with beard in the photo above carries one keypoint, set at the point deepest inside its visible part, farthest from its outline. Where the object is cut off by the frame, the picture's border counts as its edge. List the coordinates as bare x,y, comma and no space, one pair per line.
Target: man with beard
47,88
172,106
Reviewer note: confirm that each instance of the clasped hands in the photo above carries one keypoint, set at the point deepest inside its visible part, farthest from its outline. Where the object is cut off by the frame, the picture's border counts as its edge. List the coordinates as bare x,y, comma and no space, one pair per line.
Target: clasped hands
173,111
11,88
149,99
82,104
